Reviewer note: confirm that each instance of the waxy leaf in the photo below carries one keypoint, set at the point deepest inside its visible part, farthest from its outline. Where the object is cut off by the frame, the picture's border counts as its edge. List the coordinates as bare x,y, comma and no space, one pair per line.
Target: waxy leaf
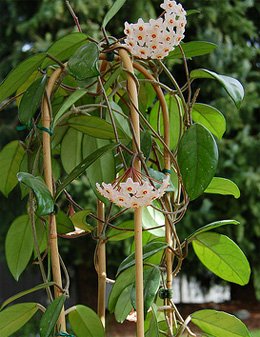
83,64
192,49
45,204
79,220
50,317
95,127
31,99
11,158
64,224
19,245
85,322
219,324
19,75
197,159
232,86
223,186
209,117
15,316
71,149
222,256
125,230
148,250
123,305
153,218
112,11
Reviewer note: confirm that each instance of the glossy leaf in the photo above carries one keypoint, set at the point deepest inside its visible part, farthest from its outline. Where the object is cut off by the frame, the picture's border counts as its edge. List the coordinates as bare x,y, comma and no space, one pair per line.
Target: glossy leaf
79,220
45,204
209,117
232,86
222,256
73,98
223,186
83,64
210,227
148,250
50,317
15,316
153,218
112,11
197,159
121,120
31,99
64,224
120,234
94,127
153,328
19,75
71,149
81,168
11,158
192,49
19,245
123,306
85,322
219,324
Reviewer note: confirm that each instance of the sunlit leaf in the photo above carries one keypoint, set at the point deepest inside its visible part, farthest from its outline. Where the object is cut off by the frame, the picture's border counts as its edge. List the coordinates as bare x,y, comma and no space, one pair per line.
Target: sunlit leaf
223,186
79,220
192,49
153,218
125,230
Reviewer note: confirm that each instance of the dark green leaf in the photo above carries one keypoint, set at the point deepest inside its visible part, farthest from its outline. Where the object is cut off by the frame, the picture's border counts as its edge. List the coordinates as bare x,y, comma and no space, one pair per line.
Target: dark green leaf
71,149
50,317
11,157
223,186
112,11
64,224
211,226
197,159
19,245
193,11
148,250
15,316
146,143
19,75
222,256
219,324
85,322
192,49
81,168
232,86
42,194
209,117
31,99
83,64
94,127
119,234
123,305
79,220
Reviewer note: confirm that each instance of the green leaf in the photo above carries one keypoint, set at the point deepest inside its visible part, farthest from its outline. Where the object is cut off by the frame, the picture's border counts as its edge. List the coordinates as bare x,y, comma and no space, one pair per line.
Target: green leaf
15,316
112,11
119,234
232,86
197,159
209,117
211,226
45,204
73,98
153,218
148,250
81,168
223,186
94,127
192,49
11,157
31,99
153,328
219,323
123,306
19,75
71,149
79,220
222,256
83,64
146,143
85,322
64,224
50,317
65,47
19,245
122,281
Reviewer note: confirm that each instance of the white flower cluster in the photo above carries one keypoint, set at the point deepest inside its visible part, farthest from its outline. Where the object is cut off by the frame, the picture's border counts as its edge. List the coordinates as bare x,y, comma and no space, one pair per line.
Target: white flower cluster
157,38
132,194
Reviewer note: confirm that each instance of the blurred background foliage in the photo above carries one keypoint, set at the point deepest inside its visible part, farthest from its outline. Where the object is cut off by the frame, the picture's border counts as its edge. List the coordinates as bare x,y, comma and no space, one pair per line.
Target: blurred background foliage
31,26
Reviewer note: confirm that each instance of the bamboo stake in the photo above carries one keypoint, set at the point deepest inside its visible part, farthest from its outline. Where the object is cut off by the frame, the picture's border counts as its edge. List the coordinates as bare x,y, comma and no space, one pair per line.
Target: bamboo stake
101,264
132,91
47,166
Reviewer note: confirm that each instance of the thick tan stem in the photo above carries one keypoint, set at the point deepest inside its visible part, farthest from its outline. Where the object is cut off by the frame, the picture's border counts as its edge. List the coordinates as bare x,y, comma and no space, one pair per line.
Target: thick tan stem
133,98
47,166
101,264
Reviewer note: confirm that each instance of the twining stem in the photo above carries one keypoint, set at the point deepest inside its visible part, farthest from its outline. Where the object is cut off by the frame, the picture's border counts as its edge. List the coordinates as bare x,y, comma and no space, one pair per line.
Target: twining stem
47,167
101,253
133,98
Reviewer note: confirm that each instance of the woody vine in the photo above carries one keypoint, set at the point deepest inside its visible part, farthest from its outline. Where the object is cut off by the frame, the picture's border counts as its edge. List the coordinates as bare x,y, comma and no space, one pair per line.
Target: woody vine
146,157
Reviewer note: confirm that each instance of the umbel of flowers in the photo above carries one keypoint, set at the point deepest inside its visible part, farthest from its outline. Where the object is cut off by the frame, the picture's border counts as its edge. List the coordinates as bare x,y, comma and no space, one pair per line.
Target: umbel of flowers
156,38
